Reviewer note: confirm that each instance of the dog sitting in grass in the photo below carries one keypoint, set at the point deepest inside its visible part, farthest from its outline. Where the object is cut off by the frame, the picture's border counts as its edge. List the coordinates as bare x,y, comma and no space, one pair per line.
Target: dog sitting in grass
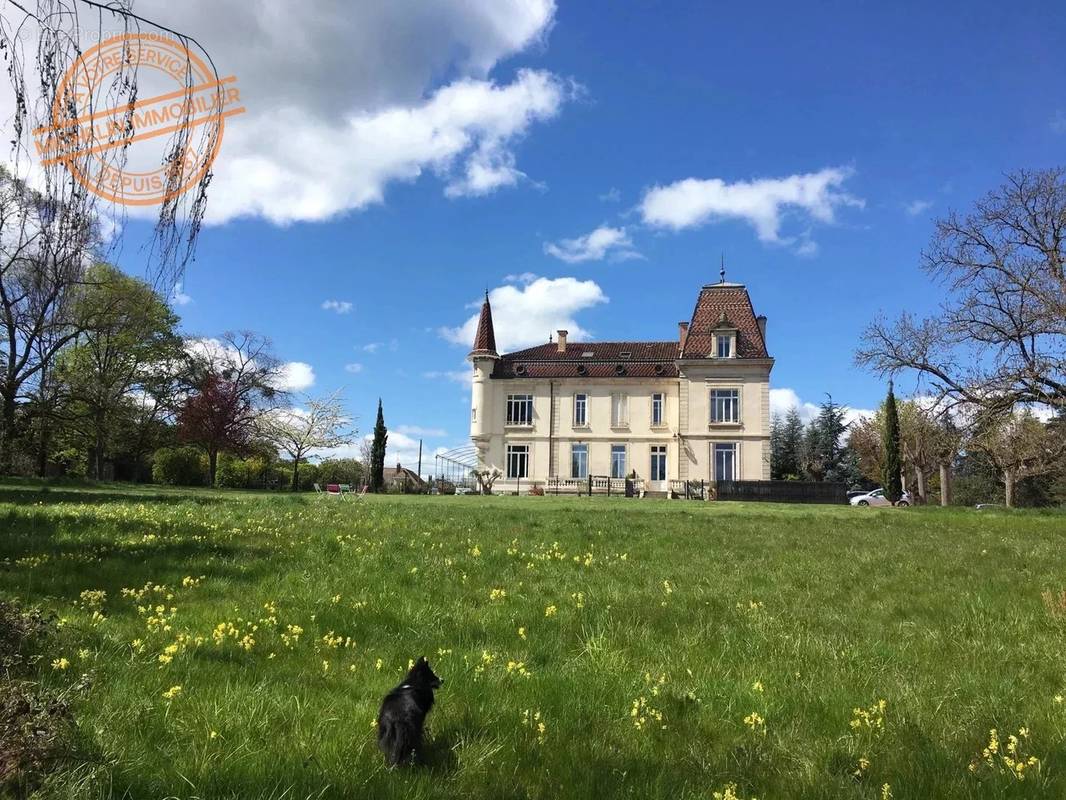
403,713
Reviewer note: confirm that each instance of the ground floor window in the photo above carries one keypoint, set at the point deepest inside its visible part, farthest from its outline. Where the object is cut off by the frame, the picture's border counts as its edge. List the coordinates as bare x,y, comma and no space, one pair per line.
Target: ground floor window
618,460
658,462
518,461
725,462
579,461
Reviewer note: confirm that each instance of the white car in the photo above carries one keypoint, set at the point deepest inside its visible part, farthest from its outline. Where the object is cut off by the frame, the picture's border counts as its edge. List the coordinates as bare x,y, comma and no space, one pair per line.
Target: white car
877,498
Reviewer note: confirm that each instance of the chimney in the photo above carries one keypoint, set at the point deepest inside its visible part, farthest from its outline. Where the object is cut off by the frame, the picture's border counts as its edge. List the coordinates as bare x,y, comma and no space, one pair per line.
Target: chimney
561,341
682,334
761,319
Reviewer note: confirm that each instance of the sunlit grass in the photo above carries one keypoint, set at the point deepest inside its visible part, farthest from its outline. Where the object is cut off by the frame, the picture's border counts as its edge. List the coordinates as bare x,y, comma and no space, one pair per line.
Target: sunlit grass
238,645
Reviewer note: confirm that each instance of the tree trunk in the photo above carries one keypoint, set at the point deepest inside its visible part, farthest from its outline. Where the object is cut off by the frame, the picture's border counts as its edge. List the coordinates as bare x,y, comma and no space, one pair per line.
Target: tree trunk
296,474
7,435
945,483
919,483
1008,486
212,462
42,451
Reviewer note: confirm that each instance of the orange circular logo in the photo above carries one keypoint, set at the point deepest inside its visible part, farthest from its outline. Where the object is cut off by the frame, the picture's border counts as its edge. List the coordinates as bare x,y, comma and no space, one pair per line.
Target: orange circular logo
151,133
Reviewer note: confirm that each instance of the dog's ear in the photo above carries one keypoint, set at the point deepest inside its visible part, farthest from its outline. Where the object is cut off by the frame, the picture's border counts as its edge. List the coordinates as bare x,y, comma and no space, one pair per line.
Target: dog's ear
423,660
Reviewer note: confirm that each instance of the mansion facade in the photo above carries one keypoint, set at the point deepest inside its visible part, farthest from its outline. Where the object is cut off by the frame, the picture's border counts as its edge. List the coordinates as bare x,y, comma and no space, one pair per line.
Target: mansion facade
693,408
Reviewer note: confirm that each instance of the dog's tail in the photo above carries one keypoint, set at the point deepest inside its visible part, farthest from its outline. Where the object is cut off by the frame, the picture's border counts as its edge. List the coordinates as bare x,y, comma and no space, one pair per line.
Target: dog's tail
393,742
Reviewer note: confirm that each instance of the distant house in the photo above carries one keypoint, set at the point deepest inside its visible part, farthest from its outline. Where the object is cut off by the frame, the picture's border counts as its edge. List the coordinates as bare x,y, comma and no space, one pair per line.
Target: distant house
692,408
402,479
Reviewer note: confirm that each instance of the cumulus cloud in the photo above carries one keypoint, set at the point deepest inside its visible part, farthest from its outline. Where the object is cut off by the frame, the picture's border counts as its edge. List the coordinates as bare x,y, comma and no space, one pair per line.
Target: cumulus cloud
594,246
762,203
178,297
917,207
340,306
296,376
525,315
343,99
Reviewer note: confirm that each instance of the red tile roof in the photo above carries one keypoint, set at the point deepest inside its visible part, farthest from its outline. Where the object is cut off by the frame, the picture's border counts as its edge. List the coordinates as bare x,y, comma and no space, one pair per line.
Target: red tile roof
485,339
731,301
645,360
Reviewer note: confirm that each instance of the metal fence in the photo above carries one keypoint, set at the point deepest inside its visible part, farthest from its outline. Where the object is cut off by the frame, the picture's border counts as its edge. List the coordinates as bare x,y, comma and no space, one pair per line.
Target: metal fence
783,491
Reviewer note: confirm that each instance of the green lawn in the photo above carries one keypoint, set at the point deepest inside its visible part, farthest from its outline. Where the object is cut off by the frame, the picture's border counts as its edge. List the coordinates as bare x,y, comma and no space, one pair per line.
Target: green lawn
641,633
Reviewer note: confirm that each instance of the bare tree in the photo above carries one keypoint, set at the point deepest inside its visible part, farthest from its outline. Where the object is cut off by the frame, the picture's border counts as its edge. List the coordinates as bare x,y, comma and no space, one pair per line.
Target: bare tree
319,423
999,340
1021,446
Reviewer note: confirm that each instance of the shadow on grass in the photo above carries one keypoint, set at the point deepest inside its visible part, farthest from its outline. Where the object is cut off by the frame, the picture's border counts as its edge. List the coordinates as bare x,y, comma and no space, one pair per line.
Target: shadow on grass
31,494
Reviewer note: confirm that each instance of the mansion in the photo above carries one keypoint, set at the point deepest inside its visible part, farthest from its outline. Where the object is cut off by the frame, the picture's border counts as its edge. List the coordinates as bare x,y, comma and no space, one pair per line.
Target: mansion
693,408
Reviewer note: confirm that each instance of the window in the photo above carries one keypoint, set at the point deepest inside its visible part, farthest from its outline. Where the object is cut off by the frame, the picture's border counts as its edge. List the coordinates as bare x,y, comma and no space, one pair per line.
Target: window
725,405
473,413
581,410
725,462
658,462
657,408
519,409
517,460
579,461
619,410
724,345
618,460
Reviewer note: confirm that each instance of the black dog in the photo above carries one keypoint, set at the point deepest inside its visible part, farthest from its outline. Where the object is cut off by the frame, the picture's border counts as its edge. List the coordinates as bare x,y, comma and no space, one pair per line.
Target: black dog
403,713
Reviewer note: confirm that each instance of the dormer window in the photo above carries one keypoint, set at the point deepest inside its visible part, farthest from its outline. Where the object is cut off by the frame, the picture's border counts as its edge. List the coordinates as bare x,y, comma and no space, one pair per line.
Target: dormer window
725,345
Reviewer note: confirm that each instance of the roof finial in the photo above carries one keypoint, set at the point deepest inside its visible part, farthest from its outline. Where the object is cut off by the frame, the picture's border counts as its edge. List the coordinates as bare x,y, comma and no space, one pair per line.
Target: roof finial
721,272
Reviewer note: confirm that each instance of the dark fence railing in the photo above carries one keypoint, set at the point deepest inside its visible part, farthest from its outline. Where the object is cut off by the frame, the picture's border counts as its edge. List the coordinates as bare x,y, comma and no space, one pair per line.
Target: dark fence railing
783,491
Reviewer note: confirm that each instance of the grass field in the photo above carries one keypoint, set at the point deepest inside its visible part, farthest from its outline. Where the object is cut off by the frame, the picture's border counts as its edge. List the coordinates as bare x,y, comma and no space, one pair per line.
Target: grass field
590,648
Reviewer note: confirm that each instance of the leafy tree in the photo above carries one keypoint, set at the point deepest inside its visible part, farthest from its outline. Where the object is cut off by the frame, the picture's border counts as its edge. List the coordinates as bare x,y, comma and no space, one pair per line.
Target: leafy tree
377,453
112,368
891,468
1021,446
319,423
235,382
1000,339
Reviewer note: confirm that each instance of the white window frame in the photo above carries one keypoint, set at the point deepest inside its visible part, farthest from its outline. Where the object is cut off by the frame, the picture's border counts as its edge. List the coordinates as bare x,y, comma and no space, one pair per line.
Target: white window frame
625,459
730,341
661,422
513,402
517,451
655,451
619,410
712,405
575,448
736,460
581,400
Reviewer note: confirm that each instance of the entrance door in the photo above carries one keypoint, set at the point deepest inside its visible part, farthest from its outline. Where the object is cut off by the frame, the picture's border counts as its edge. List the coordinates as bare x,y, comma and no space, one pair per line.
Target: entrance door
657,471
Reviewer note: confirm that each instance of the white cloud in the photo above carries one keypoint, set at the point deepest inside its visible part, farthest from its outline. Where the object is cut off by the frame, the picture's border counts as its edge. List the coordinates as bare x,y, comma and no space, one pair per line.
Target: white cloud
371,347
525,316
464,376
781,400
340,306
343,99
353,368
418,430
594,246
178,297
523,277
917,207
296,376
762,203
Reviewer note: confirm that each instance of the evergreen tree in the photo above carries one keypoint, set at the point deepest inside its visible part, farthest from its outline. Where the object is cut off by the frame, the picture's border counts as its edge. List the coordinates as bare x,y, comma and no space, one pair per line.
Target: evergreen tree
823,451
777,430
891,479
377,453
791,445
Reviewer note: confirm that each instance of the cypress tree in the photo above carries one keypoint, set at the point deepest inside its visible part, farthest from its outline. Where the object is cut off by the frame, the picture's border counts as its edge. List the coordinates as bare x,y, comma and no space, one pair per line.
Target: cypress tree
377,453
891,478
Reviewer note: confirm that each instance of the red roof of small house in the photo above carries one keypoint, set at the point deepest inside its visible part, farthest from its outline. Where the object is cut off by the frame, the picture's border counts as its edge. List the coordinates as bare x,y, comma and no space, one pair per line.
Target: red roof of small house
724,306
485,338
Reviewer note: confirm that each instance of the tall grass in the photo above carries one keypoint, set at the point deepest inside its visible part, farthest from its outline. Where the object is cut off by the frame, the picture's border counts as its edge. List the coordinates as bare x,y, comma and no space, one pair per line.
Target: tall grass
590,647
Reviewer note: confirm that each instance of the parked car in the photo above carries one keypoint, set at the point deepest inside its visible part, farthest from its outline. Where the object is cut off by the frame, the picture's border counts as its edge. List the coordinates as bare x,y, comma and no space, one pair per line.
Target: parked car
877,498
463,490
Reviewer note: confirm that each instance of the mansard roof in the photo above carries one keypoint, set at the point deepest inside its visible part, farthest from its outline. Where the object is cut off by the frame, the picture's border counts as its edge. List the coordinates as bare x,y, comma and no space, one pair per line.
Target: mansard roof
728,306
605,360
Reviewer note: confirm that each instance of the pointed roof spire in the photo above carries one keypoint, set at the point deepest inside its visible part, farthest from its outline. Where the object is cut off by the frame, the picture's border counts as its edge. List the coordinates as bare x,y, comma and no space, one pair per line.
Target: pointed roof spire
485,339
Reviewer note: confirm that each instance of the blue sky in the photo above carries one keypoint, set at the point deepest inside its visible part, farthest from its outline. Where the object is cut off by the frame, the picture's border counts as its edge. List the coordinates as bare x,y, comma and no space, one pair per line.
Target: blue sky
816,146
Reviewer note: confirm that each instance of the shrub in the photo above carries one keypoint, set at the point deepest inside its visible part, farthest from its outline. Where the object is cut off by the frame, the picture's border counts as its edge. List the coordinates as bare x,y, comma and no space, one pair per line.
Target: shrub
341,470
179,466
